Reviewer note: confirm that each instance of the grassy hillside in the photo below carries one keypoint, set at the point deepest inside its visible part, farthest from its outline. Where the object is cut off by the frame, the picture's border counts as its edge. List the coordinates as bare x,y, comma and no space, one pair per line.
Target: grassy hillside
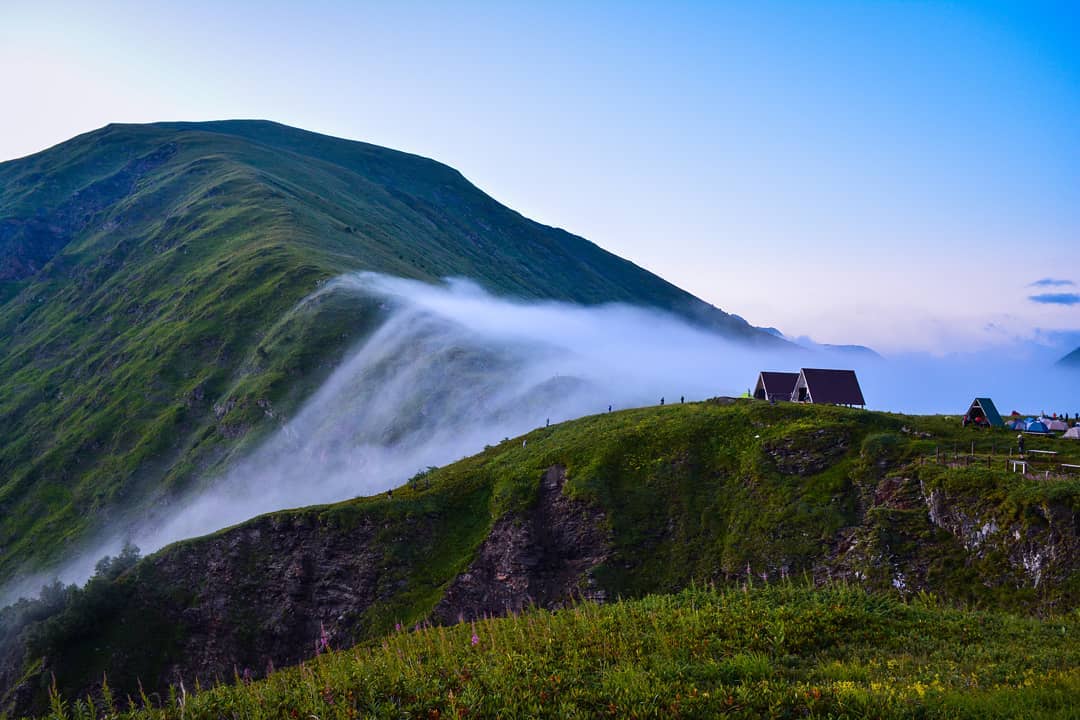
149,281
616,505
776,652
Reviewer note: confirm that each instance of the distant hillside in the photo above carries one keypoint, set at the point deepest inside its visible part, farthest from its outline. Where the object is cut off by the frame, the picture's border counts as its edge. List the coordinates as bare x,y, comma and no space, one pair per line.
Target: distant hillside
614,505
1072,359
149,279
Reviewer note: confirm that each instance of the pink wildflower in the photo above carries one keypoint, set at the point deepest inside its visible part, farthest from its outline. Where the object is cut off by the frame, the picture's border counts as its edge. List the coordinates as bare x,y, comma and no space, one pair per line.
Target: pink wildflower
323,643
475,639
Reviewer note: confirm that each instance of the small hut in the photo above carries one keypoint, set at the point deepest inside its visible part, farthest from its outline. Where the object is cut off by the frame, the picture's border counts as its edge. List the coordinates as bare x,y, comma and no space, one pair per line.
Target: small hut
774,386
984,413
828,387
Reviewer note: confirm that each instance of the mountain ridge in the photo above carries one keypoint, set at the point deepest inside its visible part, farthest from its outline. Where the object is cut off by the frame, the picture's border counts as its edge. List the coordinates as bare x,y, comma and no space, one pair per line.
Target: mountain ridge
1071,360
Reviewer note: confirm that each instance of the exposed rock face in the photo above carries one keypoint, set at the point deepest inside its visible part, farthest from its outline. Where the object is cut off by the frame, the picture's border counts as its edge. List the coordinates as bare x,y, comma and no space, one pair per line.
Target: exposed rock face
543,559
263,594
808,453
1045,546
912,537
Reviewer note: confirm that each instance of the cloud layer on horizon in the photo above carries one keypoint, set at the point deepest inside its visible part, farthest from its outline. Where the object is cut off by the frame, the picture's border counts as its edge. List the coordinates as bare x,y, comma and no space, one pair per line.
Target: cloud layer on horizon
1056,298
1051,282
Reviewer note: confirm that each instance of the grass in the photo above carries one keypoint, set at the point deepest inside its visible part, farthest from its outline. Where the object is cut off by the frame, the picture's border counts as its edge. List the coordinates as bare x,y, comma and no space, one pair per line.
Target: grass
704,494
777,651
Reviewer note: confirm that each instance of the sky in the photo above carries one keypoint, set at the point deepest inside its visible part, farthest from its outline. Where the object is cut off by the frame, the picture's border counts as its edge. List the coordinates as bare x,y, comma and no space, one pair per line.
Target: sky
904,175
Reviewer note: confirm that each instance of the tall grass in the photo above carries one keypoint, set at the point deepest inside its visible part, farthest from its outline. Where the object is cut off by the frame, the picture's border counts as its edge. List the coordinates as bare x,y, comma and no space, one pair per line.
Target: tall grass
779,651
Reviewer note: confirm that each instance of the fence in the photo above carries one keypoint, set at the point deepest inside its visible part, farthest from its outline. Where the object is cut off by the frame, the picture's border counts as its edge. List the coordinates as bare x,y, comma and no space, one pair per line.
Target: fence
1035,463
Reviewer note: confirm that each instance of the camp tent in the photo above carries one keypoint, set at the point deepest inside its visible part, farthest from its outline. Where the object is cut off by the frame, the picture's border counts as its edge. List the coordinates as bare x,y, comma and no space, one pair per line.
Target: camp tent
1036,427
1073,433
1018,425
983,412
1057,426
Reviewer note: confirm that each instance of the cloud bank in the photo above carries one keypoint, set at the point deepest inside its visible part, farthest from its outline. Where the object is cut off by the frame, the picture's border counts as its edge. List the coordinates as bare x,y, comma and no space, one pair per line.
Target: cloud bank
1056,298
1051,282
453,369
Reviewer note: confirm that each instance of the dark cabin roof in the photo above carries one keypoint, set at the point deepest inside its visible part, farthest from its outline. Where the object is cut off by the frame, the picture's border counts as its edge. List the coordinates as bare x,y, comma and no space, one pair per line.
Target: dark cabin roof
778,383
989,410
835,387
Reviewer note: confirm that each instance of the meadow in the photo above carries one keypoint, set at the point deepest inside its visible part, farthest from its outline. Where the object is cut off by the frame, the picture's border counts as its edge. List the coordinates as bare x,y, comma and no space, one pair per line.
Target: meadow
781,650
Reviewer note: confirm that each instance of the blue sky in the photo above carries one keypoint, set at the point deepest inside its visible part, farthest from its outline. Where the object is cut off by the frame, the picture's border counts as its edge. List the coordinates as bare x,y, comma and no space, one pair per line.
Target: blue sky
899,174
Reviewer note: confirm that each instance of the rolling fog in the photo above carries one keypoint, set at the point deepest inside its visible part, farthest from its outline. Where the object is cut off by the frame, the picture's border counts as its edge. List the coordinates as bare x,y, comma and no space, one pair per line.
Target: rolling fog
454,369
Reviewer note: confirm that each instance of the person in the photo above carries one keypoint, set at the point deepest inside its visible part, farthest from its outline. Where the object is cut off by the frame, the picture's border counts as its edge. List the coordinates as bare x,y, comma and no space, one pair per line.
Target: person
661,401
682,399
1020,443
964,422
547,423
609,408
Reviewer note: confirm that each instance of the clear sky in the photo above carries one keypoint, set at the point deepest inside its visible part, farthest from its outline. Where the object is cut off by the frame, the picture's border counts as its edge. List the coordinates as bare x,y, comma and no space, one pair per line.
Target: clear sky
897,174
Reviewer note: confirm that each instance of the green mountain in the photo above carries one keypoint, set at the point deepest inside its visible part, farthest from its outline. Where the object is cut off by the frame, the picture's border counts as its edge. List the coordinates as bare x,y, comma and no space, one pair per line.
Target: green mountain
149,285
624,504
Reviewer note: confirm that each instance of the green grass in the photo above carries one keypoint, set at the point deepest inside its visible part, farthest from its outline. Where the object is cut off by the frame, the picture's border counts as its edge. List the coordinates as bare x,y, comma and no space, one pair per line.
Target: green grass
694,494
781,651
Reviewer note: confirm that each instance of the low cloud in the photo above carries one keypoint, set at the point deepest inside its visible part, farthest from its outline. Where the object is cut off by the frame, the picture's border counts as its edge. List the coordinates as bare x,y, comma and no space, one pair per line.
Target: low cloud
1056,298
1051,282
452,369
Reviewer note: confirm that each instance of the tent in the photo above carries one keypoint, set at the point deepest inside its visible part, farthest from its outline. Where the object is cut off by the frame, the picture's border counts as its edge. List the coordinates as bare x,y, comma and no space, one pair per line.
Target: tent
1057,426
1073,433
1018,425
983,412
1014,414
1036,427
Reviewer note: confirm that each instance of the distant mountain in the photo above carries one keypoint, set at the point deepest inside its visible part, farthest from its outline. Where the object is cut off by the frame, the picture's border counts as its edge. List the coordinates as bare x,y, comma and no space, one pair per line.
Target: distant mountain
1071,360
149,285
853,350
807,342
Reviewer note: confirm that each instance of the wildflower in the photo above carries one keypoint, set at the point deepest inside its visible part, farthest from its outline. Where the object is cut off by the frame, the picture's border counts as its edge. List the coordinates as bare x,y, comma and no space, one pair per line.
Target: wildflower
397,627
323,643
475,639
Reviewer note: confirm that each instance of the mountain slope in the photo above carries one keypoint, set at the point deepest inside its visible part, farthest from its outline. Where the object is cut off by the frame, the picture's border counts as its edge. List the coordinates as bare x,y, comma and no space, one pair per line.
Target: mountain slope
150,277
614,505
1072,359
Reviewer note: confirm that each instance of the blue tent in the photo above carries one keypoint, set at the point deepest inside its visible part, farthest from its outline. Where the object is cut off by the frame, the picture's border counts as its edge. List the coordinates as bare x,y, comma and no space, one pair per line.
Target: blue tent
1018,425
1036,426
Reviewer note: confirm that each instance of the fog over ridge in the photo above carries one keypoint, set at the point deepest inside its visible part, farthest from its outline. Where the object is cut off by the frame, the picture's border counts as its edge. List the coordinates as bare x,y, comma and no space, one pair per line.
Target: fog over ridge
453,368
